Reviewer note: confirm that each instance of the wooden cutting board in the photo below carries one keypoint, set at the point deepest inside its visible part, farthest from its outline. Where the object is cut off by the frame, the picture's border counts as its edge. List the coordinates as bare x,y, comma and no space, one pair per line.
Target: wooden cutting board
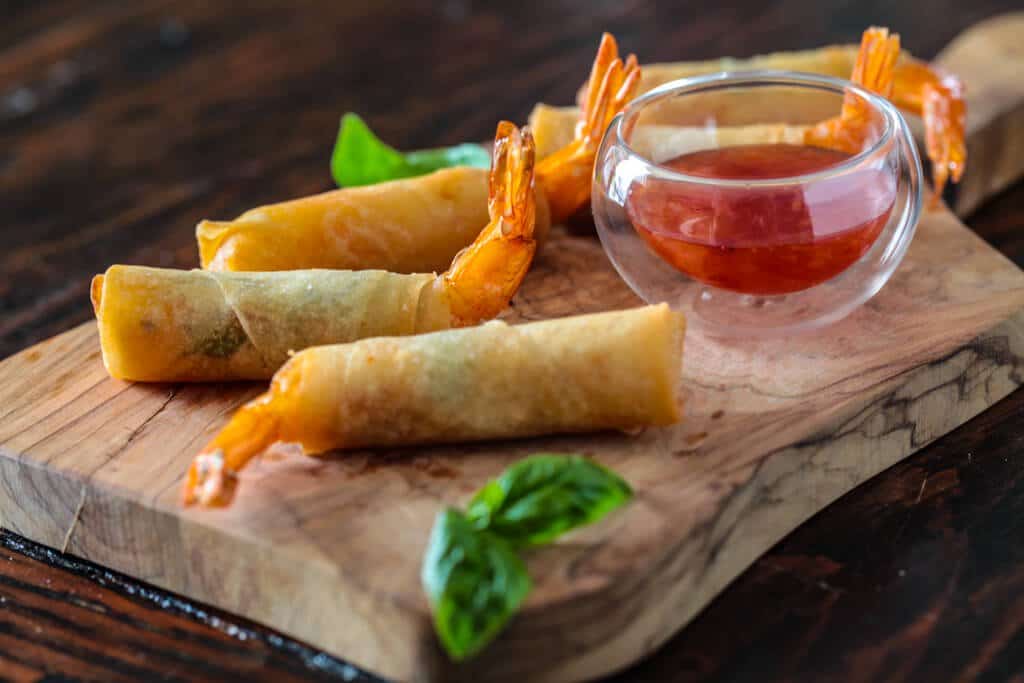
328,550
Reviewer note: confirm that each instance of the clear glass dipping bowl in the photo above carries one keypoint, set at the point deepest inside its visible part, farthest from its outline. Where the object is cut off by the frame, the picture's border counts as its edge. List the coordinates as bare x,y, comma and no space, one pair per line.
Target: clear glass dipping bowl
774,255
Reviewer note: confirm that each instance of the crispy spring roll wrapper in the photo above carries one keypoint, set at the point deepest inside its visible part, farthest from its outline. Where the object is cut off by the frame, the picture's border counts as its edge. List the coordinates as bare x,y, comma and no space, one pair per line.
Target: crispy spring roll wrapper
159,324
603,371
660,143
615,370
163,325
648,140
553,126
831,60
415,225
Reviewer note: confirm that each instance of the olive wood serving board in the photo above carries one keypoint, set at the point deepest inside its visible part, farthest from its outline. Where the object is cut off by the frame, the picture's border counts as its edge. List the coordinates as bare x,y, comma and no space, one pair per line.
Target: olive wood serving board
328,550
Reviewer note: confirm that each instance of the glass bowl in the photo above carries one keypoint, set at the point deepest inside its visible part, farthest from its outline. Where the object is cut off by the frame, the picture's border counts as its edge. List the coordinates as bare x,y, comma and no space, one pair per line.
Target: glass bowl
708,195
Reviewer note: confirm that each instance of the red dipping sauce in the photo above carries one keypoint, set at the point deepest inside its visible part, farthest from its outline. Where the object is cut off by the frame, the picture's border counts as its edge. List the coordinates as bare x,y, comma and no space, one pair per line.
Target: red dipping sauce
763,239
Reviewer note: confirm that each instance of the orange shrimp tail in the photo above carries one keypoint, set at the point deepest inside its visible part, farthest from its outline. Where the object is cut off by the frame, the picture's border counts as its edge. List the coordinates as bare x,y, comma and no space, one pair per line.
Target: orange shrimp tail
938,97
945,117
874,71
565,175
485,275
212,476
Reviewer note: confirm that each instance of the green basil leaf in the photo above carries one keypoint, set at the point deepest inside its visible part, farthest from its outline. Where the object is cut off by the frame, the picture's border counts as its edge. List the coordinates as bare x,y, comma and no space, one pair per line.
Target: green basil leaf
361,158
467,154
543,496
475,583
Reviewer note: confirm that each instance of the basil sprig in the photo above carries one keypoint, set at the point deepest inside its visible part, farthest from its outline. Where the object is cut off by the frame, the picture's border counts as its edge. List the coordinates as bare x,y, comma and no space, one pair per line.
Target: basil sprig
361,158
540,498
472,574
475,582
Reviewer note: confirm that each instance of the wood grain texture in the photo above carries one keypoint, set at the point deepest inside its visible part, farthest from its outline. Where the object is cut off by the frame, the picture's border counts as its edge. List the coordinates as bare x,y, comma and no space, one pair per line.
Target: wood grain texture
774,432
93,466
53,309
113,630
915,576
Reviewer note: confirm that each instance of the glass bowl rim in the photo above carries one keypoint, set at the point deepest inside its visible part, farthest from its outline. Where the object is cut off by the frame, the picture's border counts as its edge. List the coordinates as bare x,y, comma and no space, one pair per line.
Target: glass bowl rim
765,77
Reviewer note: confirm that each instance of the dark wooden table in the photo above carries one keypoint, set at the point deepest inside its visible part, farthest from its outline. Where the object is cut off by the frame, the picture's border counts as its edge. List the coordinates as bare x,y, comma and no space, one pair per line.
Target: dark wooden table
122,124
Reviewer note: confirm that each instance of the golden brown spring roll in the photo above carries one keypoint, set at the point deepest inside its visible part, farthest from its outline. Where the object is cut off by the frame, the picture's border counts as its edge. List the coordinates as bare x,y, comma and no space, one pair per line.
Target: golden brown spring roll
914,86
553,126
415,225
660,143
170,325
164,325
602,371
831,60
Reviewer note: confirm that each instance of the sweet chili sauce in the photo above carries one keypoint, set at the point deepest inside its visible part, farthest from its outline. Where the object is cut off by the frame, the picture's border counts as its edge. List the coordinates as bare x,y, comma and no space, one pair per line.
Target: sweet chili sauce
762,239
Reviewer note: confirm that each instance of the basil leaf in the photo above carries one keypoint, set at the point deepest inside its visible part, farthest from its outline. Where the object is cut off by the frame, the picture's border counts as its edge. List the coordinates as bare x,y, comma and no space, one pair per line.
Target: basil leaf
543,496
361,158
471,572
475,583
429,160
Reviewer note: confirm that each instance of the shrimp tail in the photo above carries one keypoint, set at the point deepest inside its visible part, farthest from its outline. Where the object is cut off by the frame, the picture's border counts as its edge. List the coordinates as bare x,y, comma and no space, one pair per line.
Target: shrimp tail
915,87
874,71
212,476
937,97
565,174
945,117
485,275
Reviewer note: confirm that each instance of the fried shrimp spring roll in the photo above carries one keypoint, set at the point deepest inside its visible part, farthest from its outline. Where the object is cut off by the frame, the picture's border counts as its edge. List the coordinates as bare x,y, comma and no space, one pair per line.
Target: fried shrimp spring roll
170,325
590,372
874,70
417,224
553,126
915,87
564,175
158,324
